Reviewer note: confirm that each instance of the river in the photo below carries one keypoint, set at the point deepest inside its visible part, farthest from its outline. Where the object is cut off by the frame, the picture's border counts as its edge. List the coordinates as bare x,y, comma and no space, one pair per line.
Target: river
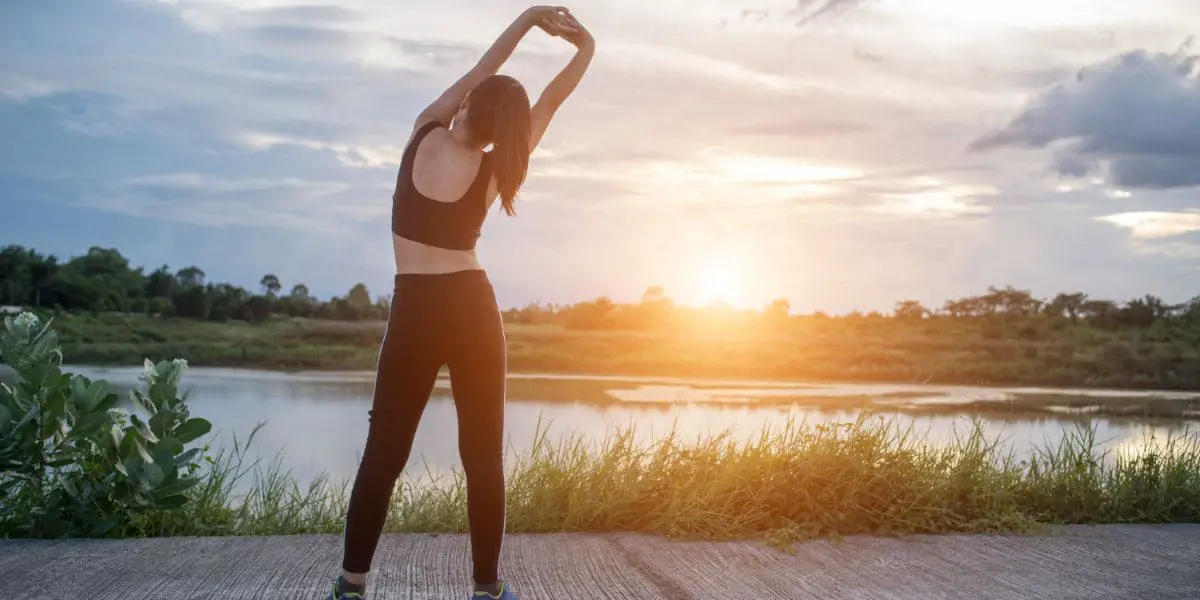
317,422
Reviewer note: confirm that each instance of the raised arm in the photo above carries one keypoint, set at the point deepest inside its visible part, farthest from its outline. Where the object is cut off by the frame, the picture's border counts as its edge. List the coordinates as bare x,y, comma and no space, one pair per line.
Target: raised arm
563,84
442,110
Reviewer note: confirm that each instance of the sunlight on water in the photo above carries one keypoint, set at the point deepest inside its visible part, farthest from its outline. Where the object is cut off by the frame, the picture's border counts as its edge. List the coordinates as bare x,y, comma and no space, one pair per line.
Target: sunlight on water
318,422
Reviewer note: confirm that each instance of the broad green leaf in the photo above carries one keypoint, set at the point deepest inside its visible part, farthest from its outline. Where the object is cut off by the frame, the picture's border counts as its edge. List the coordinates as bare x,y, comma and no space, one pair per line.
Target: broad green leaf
143,428
192,429
79,390
30,415
170,445
141,402
165,460
91,422
107,402
126,450
175,501
142,452
153,474
161,422
96,392
187,457
178,486
42,376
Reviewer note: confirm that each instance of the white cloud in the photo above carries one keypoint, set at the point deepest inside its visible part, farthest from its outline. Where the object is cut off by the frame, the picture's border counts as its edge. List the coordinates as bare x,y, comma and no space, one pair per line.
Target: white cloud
285,203
350,155
1153,225
15,87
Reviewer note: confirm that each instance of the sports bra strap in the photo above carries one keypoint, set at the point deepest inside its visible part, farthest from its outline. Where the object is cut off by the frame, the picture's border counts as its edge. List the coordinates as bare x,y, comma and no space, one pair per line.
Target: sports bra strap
425,130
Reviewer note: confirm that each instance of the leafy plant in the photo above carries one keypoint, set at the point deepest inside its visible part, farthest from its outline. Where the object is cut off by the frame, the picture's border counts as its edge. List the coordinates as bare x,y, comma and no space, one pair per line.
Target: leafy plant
74,464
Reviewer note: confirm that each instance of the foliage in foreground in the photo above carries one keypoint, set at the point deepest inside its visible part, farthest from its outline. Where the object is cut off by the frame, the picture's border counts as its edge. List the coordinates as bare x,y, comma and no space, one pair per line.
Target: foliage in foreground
71,463
792,483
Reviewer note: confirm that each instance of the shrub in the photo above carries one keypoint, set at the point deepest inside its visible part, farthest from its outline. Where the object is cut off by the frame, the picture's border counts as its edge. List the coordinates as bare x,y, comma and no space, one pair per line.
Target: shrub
74,464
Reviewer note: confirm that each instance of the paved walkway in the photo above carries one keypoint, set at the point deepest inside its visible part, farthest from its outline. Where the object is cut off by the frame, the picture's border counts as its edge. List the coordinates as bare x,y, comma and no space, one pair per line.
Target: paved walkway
1118,562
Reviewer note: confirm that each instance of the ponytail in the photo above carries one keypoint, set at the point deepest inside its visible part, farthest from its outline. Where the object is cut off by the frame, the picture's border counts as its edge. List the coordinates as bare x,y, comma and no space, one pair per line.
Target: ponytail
510,143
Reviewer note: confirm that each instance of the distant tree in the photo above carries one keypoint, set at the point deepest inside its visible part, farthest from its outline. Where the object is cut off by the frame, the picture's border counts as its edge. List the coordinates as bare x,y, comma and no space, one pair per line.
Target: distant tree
189,276
1068,305
910,310
300,292
160,283
359,298
270,284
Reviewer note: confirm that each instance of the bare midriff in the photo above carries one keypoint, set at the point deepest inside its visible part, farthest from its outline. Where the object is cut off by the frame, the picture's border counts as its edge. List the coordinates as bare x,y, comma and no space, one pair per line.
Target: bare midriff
415,257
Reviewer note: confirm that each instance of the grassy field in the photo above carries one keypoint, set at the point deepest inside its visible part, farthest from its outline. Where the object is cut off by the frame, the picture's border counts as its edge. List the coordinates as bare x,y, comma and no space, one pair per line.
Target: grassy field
1057,354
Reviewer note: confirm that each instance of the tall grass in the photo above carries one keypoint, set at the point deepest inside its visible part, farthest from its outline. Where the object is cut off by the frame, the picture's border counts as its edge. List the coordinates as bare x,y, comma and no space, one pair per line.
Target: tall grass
791,483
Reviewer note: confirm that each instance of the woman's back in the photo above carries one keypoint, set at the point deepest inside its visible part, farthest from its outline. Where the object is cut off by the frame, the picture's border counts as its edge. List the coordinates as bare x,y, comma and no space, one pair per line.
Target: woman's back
443,192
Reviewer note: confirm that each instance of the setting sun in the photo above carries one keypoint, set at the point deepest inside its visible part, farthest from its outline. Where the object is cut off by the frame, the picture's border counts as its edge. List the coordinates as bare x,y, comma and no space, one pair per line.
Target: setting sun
718,283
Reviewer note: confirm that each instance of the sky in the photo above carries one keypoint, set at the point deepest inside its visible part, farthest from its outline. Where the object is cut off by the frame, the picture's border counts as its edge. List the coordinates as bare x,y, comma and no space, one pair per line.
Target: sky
841,154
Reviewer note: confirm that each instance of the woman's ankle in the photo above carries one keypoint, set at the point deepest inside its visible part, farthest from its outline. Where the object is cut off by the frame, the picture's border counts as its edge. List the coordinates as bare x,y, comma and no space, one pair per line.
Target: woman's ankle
356,579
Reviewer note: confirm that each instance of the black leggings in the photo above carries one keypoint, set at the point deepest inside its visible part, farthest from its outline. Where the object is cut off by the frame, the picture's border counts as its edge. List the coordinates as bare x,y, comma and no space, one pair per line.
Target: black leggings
443,319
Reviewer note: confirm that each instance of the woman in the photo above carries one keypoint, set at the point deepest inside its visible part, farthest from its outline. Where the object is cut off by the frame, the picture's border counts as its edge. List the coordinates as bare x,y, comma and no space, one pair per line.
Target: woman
444,310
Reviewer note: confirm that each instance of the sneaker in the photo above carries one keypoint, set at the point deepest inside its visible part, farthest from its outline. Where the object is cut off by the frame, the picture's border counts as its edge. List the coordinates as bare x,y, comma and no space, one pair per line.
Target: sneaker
336,594
506,593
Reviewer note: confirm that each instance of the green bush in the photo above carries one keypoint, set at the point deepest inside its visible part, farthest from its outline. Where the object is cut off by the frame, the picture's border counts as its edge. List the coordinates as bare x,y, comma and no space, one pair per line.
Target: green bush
71,462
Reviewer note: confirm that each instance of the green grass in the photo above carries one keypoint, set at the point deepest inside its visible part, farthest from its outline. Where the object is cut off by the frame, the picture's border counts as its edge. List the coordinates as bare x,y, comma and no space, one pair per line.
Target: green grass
1038,352
793,483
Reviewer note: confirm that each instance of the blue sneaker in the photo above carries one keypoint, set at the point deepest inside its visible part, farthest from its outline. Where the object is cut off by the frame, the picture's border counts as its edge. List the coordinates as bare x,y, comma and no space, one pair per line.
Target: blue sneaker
506,593
336,594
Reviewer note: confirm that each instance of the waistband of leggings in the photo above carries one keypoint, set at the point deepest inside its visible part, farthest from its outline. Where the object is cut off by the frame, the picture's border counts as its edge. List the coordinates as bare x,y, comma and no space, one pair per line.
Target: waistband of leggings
464,277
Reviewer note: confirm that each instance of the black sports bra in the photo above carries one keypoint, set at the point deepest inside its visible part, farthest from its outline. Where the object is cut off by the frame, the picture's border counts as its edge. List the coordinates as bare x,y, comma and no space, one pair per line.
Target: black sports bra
451,225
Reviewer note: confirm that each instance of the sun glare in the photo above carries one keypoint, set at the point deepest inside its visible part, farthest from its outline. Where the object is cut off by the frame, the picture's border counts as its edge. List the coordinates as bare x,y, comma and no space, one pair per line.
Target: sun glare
718,283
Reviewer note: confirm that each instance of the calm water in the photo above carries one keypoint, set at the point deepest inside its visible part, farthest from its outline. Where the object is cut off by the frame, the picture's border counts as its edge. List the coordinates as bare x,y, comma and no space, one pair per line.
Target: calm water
317,422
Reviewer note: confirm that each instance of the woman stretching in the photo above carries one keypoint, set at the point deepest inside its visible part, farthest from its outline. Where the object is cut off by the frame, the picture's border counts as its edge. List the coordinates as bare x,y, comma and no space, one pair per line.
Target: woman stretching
444,309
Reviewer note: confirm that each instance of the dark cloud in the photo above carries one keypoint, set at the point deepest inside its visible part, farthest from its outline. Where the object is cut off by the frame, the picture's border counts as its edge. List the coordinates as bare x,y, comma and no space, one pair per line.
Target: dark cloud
1133,119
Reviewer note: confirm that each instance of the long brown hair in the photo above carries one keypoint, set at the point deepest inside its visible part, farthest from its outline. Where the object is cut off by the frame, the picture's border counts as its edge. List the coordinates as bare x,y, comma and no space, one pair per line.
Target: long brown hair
498,113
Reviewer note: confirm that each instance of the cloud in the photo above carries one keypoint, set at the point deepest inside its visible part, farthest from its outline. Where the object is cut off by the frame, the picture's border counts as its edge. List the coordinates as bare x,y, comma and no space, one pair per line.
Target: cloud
15,87
808,11
839,178
1155,225
310,206
1132,120
348,154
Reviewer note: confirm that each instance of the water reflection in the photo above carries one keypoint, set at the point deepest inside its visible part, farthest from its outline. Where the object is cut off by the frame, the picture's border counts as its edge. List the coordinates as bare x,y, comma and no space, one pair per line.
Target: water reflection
317,423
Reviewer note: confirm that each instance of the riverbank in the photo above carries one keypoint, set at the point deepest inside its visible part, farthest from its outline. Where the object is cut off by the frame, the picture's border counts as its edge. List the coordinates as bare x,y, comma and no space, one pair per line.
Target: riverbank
1072,563
963,353
792,481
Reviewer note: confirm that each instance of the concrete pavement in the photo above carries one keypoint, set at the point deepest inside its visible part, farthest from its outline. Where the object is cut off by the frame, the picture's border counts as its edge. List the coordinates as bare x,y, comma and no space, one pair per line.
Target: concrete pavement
1125,562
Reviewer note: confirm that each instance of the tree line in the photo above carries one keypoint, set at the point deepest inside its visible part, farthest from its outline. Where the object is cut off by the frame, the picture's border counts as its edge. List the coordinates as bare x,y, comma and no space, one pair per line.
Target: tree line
102,280
998,306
